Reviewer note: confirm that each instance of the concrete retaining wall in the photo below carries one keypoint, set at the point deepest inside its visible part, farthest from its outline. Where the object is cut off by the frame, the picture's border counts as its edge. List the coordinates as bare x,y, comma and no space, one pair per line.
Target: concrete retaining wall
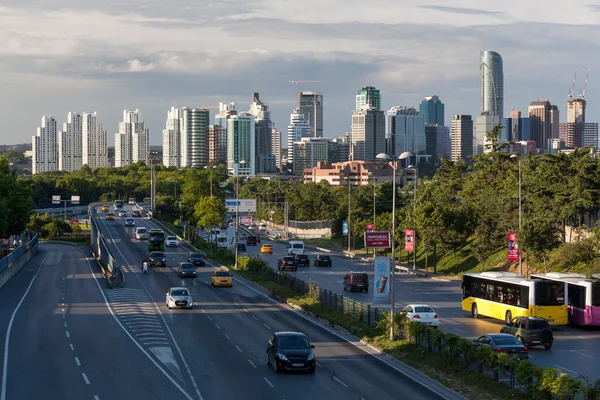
15,266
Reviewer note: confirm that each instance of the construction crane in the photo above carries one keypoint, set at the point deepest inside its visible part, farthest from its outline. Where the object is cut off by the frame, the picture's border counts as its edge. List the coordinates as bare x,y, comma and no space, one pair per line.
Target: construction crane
582,92
570,94
298,82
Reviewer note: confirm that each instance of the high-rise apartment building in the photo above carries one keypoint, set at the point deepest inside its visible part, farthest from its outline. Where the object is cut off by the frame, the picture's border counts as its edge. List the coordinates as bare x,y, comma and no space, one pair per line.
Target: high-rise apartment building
491,83
462,137
543,118
298,128
171,136
310,104
576,110
44,147
405,131
186,138
94,142
368,97
276,146
432,110
69,144
264,135
368,133
132,143
241,147
217,144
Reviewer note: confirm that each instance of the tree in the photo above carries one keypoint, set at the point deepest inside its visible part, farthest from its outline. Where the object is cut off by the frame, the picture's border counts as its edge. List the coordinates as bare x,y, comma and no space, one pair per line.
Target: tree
15,201
209,212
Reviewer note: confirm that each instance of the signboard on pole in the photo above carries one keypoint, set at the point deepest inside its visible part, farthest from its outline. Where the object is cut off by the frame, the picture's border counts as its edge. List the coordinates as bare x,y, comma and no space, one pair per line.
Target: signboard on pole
513,246
381,294
240,205
377,240
345,228
55,199
74,199
246,220
409,244
370,227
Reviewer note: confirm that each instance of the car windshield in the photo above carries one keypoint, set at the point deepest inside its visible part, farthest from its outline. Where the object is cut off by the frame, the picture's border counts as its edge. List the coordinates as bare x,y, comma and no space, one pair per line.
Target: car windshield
179,292
289,259
533,324
188,266
195,255
222,273
424,309
324,258
301,256
293,342
171,238
506,341
156,254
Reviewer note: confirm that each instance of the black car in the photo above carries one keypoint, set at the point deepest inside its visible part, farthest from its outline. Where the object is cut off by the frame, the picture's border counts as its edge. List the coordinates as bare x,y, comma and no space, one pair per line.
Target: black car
503,343
530,331
287,262
322,261
157,258
290,351
356,281
241,247
197,259
302,260
186,269
252,240
136,214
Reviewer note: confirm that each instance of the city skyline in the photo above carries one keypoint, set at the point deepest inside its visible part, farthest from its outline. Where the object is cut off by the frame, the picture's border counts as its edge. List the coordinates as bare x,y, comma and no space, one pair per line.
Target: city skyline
153,68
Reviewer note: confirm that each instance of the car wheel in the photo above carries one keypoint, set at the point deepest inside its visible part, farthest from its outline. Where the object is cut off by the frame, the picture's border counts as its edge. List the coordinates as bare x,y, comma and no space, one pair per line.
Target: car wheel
275,366
366,290
548,345
268,359
508,317
474,311
312,370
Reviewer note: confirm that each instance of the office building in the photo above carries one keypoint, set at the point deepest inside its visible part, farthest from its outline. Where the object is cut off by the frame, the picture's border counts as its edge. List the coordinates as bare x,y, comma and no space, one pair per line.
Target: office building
491,83
297,129
310,104
264,132
309,151
356,171
368,97
69,144
44,147
579,134
484,124
368,134
217,144
171,138
437,142
195,137
432,110
543,118
132,143
405,131
226,110
276,146
94,142
462,137
241,146
576,110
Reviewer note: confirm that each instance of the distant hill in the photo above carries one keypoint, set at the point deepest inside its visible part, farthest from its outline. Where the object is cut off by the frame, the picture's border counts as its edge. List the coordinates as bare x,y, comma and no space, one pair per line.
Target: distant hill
15,147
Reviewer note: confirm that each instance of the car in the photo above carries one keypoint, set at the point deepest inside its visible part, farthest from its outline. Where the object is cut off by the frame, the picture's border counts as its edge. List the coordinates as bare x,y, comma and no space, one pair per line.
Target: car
122,214
262,227
422,313
302,260
503,343
290,351
266,249
186,269
136,214
157,258
221,277
141,233
530,331
323,260
252,240
179,297
129,222
110,217
171,241
287,262
197,259
356,281
105,208
241,247
252,227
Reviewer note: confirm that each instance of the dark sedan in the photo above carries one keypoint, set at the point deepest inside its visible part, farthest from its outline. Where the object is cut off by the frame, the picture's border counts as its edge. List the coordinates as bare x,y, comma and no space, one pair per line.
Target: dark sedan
504,343
157,258
290,351
322,260
186,269
302,260
197,259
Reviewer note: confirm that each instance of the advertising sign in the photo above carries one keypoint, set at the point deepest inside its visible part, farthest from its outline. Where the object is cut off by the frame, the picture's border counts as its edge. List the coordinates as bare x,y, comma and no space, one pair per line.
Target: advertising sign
409,244
381,294
240,205
55,199
246,220
370,227
513,246
345,228
74,199
377,240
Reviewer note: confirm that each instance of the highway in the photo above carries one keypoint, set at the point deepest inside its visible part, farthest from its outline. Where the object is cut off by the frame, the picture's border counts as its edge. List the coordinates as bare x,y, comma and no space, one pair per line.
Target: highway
61,342
220,345
575,351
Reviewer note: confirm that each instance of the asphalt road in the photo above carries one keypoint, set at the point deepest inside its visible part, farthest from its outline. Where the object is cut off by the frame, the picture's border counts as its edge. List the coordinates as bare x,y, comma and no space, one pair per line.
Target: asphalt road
575,351
63,342
223,339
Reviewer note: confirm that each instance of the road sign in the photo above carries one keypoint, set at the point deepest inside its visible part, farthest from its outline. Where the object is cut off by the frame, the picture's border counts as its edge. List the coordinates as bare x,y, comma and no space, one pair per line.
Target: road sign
243,205
74,199
55,199
377,240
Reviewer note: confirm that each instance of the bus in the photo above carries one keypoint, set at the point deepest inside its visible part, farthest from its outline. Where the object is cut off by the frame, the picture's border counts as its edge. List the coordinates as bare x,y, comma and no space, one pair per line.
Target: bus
504,295
118,204
582,296
156,240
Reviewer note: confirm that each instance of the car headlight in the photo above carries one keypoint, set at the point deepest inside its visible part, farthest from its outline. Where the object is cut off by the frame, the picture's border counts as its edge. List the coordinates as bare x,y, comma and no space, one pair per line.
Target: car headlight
282,357
311,356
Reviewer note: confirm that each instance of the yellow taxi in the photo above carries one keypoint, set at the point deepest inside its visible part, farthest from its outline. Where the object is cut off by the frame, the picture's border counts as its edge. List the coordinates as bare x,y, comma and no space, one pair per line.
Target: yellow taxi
222,277
110,217
266,249
105,208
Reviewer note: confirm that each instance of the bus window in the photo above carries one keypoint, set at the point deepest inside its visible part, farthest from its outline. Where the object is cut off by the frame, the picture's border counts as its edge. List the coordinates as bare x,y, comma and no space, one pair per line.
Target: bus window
549,293
595,294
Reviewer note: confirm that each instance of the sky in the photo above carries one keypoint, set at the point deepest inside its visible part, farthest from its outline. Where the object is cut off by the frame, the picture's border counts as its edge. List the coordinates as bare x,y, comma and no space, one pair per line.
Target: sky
58,56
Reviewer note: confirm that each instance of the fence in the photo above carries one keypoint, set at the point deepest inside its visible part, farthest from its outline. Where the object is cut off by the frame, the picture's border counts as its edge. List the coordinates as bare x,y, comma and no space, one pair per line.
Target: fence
100,249
13,262
310,224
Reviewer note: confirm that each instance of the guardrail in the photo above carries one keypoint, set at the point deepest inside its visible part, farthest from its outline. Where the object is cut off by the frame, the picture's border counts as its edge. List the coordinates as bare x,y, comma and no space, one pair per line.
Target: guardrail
112,269
13,262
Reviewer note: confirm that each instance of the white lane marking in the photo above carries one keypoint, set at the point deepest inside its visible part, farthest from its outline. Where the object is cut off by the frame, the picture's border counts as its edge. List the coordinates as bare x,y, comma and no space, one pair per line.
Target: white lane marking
319,365
266,326
96,397
65,324
77,361
227,336
237,347
251,363
218,327
566,369
209,317
460,330
85,378
72,348
9,328
68,335
255,317
339,381
268,382
583,354
244,310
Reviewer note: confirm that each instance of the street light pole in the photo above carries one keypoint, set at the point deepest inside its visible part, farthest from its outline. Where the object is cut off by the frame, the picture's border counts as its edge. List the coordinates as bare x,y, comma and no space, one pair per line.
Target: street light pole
371,174
237,212
415,171
520,217
349,230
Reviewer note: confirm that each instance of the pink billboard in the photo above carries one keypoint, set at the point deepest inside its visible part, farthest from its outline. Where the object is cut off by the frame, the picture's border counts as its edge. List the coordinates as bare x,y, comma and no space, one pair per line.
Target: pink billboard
409,244
513,246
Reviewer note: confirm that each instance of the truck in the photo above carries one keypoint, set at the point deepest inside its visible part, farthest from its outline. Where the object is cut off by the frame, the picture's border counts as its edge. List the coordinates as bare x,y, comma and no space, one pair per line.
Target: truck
156,240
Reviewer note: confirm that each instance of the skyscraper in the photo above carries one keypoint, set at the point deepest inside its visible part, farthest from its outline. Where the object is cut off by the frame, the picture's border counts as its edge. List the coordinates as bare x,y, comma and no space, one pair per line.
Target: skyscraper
311,106
432,109
368,133
44,147
462,137
132,143
491,83
93,143
171,136
217,144
298,128
69,144
197,122
404,131
368,96
542,117
276,146
438,142
484,124
576,132
241,144
264,132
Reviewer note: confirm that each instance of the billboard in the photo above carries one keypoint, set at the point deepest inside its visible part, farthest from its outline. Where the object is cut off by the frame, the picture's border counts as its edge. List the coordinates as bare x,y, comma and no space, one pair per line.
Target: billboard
377,240
246,219
409,244
74,199
370,227
55,199
345,228
240,205
513,246
381,277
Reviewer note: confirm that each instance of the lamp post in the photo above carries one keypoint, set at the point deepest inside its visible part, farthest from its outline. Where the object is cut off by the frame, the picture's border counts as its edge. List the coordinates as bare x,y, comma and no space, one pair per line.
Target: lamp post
372,175
211,179
237,211
520,216
415,171
347,178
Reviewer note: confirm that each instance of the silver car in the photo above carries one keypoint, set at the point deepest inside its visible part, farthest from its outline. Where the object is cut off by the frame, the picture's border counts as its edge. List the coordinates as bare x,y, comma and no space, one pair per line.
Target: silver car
179,297
129,222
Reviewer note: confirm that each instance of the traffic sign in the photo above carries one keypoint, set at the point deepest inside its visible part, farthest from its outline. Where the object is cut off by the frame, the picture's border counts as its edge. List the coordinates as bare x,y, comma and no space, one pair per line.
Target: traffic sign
55,199
74,199
240,205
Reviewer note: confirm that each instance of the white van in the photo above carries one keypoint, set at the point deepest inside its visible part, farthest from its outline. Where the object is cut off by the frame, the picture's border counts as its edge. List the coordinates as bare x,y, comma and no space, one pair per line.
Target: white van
295,247
222,241
262,227
141,233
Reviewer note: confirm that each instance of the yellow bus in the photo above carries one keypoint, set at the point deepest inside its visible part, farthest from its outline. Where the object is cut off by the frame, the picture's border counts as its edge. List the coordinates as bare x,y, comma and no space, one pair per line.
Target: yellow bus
504,296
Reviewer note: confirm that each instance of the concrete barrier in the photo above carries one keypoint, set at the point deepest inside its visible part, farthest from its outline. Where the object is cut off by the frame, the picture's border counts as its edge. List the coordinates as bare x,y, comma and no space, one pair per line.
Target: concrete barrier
15,266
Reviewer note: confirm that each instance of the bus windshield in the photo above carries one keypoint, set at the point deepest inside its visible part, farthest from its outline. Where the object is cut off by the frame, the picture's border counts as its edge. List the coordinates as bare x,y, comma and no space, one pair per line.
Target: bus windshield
156,236
549,293
596,293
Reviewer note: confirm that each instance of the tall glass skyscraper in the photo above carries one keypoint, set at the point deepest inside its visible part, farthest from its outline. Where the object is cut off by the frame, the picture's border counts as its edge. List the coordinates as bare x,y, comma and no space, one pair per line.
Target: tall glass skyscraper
491,83
368,96
432,109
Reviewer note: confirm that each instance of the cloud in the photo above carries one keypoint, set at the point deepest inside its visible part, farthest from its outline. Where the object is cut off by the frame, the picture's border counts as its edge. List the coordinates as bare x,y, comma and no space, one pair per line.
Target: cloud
461,10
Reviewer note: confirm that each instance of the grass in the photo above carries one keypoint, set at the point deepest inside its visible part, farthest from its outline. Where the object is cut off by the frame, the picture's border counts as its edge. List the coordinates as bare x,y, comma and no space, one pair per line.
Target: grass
328,243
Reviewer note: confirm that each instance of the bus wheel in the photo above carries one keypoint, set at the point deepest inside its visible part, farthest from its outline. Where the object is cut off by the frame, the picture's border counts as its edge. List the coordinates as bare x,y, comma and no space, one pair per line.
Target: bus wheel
474,311
508,317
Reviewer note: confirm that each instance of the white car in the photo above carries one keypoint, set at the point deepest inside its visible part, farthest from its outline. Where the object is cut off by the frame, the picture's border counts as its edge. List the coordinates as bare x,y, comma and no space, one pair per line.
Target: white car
422,313
171,241
252,227
262,227
179,297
